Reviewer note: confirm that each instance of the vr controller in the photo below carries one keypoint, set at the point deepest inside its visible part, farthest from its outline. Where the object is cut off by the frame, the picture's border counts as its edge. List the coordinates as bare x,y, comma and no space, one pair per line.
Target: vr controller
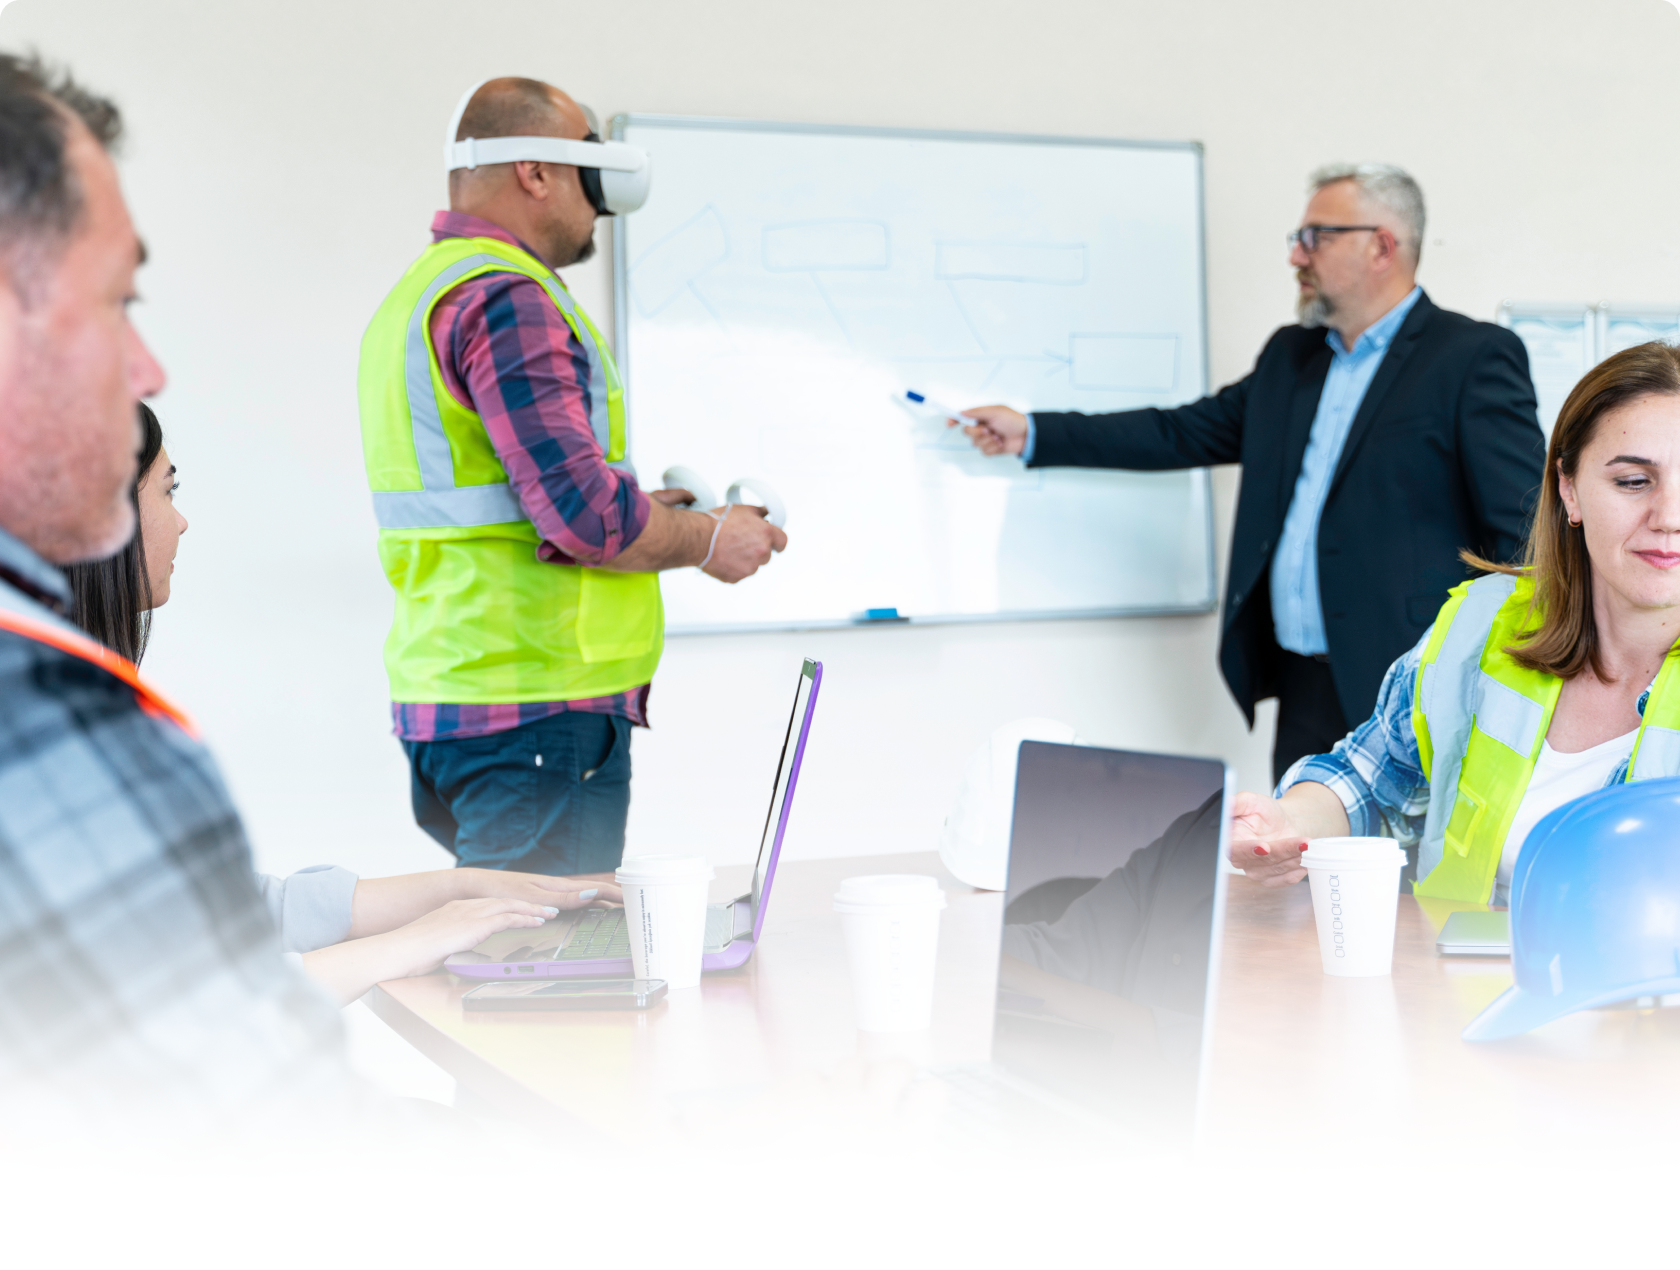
775,510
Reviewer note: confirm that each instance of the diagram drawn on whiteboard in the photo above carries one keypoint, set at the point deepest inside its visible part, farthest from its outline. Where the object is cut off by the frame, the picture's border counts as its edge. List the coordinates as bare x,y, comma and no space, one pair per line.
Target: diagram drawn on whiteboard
781,289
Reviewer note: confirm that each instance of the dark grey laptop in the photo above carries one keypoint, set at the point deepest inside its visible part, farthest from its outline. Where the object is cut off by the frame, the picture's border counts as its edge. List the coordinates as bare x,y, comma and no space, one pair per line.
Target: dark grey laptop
1110,948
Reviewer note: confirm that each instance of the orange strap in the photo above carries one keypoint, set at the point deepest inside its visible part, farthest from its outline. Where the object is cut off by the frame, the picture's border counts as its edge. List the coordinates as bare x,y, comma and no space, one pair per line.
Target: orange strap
151,700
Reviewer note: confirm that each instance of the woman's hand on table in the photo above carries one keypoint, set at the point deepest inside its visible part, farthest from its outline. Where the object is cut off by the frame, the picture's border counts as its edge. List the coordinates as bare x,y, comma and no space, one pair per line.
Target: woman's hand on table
1268,835
1264,844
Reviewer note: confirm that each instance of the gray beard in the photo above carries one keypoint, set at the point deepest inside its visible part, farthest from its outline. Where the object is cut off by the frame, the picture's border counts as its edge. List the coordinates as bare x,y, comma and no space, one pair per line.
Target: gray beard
1313,313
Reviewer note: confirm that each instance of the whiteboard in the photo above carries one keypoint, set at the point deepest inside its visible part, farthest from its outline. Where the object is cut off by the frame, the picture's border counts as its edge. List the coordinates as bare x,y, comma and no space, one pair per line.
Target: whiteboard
783,285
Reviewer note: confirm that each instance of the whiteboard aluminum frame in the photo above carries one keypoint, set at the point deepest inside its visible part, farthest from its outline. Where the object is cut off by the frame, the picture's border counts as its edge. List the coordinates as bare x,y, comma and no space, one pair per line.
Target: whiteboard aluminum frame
1202,476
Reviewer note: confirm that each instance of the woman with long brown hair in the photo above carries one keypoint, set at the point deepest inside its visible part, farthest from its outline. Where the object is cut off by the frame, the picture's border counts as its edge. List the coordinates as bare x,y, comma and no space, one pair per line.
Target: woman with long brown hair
351,932
1538,683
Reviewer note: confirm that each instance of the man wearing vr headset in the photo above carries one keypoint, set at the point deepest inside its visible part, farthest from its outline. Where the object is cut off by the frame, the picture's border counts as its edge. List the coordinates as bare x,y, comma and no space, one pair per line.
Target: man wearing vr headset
522,551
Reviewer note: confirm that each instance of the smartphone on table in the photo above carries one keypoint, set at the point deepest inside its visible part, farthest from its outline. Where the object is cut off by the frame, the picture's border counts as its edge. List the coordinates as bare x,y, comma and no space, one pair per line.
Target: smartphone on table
567,994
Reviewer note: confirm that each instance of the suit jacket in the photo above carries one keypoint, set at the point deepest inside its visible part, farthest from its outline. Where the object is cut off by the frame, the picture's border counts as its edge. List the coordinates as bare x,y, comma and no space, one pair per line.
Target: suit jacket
1445,453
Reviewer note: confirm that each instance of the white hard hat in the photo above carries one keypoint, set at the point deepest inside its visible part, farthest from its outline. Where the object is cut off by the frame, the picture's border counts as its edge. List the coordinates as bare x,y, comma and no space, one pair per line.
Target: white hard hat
975,844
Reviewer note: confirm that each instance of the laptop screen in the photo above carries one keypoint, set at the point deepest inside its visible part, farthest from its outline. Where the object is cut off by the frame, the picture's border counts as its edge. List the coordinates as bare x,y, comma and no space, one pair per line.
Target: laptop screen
1115,887
781,793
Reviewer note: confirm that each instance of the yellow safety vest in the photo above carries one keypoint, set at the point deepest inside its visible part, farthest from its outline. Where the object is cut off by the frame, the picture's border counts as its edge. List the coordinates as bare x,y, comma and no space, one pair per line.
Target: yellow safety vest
479,619
1480,719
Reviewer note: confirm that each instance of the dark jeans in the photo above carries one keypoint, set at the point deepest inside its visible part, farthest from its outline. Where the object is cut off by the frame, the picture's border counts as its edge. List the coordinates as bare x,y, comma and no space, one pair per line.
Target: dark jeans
1310,719
549,796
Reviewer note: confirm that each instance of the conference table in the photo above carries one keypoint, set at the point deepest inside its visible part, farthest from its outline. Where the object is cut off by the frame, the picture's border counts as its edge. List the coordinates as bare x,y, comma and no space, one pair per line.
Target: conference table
1296,1055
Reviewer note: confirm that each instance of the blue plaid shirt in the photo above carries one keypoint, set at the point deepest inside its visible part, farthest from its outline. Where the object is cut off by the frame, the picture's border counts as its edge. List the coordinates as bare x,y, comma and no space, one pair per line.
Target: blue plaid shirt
140,972
1376,769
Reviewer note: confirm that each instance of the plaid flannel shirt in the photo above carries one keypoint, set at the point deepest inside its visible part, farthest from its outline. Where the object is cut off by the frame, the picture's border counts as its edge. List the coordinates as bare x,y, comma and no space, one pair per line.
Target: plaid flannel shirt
1377,771
139,968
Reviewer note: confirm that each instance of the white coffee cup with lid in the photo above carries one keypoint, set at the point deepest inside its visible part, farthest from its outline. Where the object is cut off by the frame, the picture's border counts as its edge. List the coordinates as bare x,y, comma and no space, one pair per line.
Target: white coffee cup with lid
1356,898
665,909
890,922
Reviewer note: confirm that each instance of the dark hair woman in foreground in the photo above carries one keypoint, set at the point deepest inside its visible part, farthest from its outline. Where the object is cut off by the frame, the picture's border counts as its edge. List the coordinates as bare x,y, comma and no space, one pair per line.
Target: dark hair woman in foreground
352,932
114,598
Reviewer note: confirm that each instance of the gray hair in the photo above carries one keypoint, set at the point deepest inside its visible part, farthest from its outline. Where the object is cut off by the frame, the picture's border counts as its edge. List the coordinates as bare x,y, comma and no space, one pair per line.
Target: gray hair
40,198
1389,187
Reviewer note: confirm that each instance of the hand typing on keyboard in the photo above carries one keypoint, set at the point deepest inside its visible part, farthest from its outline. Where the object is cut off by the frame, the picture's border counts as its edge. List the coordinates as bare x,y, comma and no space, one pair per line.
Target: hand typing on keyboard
350,968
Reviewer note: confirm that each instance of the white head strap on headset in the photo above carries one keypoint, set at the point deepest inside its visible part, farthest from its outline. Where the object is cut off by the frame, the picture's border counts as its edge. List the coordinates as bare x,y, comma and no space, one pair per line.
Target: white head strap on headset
622,173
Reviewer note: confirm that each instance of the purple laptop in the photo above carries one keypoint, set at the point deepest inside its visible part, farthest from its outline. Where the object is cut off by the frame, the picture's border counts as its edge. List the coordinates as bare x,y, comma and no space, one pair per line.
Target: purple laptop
596,944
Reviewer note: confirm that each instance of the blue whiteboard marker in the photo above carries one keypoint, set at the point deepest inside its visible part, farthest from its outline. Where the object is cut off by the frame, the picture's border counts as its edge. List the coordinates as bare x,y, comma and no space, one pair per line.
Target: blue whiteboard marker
928,403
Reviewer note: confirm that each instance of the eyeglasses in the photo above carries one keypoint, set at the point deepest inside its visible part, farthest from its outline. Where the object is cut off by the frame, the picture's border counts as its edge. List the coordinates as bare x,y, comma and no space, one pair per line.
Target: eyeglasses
1308,235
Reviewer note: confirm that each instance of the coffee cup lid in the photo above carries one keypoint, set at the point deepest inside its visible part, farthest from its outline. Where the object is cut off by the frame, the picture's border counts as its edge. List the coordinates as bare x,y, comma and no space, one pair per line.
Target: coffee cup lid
889,890
1345,852
653,869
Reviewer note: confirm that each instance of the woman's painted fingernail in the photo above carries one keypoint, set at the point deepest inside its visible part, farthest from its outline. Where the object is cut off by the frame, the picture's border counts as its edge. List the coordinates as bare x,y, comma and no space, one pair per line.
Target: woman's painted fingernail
552,912
1259,850
1303,848
590,894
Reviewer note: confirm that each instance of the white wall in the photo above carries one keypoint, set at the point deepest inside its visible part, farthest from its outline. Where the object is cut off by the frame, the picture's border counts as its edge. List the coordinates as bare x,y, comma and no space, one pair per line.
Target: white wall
283,166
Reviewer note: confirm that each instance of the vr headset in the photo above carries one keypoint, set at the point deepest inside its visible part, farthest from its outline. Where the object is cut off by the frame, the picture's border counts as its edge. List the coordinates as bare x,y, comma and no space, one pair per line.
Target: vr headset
615,176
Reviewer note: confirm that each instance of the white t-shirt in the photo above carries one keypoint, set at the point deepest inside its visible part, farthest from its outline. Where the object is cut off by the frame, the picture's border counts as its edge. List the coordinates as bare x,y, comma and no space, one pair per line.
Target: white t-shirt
1557,779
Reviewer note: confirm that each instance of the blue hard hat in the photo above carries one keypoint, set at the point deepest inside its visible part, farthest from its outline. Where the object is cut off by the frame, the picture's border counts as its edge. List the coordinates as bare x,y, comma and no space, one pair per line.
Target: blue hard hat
1595,908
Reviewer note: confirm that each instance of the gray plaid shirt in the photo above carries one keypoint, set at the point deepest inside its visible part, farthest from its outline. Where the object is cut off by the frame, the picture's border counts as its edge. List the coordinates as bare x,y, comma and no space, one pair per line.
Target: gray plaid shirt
139,967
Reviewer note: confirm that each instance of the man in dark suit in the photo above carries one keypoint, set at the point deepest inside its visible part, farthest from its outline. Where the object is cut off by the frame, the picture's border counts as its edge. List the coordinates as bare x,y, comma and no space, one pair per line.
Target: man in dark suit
1378,438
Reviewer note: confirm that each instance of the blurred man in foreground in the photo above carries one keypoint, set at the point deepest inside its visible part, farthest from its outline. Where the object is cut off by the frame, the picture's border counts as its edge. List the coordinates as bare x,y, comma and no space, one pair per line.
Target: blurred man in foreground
139,970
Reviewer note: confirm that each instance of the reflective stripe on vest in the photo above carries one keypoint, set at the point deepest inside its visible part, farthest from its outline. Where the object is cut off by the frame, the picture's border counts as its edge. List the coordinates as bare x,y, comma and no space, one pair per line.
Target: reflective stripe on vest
1657,751
441,502
1480,719
74,643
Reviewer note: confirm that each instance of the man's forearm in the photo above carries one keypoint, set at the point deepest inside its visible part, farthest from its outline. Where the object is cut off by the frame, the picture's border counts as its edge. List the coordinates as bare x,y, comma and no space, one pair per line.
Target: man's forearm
671,539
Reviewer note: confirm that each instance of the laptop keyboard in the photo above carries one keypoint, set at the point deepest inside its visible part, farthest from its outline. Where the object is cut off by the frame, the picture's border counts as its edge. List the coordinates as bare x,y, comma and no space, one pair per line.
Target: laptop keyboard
602,933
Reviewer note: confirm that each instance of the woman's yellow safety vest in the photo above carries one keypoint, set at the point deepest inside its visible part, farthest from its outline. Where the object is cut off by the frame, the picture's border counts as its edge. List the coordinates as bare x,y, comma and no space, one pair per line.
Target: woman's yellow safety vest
1480,719
479,619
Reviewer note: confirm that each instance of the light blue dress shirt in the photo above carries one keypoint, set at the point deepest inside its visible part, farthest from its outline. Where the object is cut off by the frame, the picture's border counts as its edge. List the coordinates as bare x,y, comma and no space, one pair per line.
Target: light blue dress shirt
1297,613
